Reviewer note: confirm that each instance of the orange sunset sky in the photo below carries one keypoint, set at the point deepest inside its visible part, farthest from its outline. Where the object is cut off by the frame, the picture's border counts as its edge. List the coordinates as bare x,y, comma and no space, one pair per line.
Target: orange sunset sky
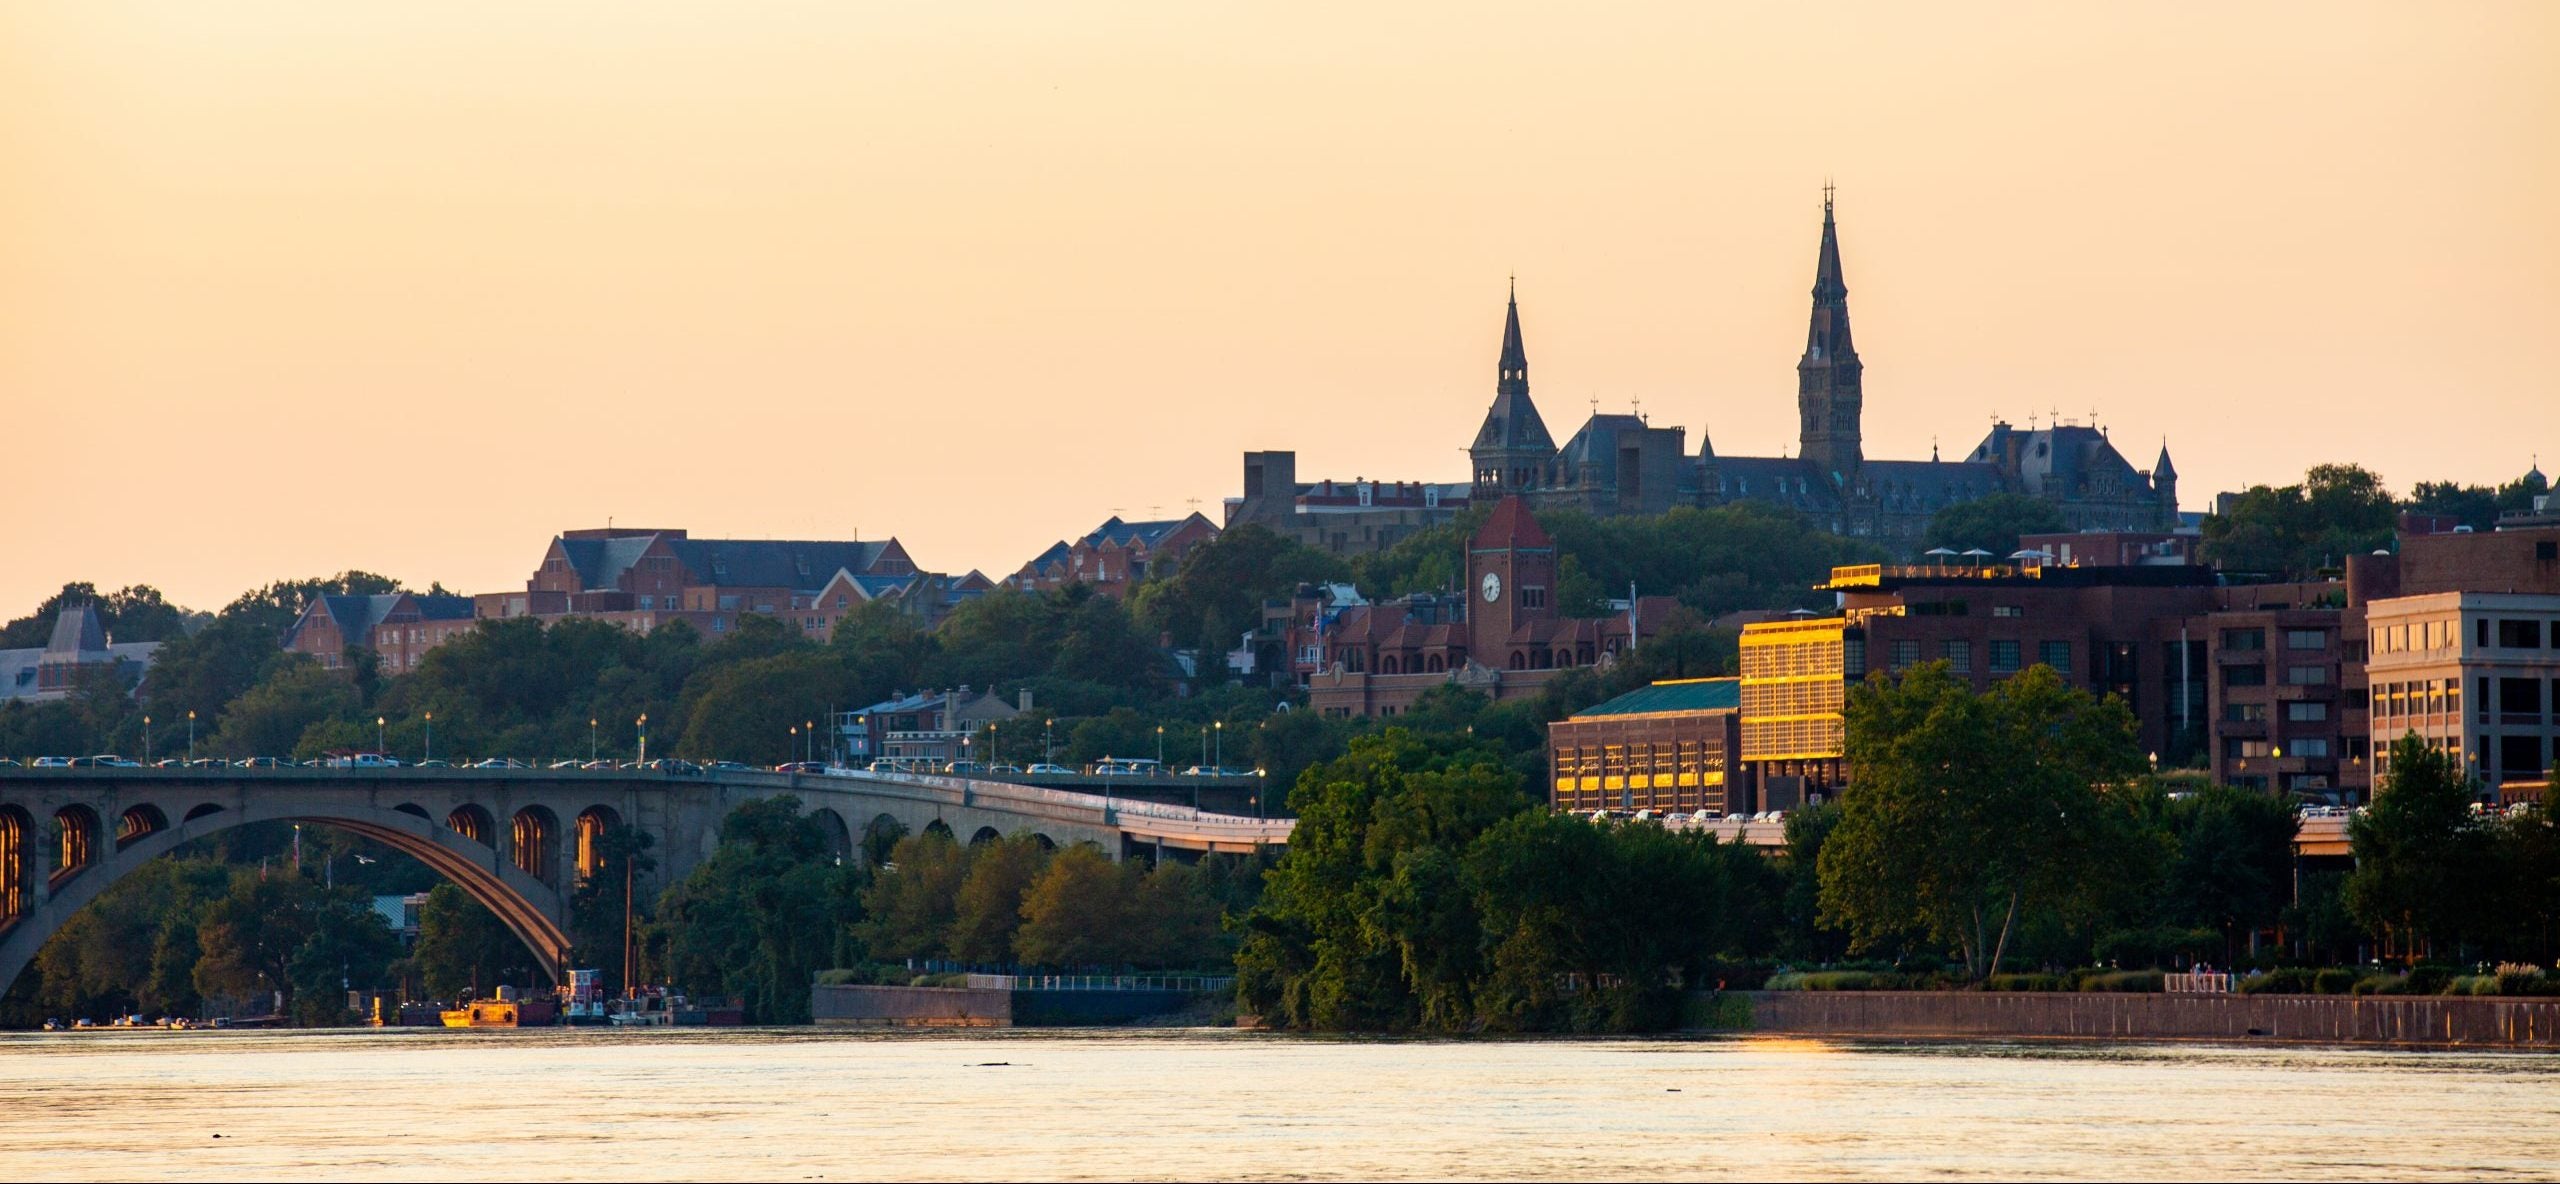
288,288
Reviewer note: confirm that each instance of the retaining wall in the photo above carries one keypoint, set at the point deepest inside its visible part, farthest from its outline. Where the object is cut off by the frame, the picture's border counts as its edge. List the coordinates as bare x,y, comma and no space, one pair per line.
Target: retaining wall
2434,1020
985,1007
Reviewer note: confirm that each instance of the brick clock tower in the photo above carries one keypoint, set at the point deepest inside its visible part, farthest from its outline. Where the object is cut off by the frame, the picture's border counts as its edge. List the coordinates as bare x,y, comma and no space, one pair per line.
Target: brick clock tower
1511,580
1828,393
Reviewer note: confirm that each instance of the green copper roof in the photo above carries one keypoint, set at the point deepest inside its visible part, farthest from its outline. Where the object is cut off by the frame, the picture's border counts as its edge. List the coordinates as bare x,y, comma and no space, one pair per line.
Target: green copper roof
1691,694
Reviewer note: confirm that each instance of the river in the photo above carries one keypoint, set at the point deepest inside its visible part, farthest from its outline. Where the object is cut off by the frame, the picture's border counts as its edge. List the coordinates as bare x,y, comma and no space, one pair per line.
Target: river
808,1104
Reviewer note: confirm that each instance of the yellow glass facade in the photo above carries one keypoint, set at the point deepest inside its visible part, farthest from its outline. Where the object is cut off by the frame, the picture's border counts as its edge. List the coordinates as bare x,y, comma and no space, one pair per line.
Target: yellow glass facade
1794,690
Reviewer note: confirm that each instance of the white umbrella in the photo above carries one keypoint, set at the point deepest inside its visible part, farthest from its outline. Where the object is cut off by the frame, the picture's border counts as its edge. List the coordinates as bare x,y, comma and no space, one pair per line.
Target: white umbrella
1941,553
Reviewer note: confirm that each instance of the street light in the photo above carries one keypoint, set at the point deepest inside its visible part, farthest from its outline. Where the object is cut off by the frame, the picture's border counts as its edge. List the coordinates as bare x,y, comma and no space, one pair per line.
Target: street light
1220,729
795,743
1047,756
808,740
1159,746
379,744
431,735
644,737
146,739
191,735
591,740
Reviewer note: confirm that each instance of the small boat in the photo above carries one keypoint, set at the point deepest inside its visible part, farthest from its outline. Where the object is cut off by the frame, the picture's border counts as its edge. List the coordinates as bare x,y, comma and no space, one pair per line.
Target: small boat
508,1010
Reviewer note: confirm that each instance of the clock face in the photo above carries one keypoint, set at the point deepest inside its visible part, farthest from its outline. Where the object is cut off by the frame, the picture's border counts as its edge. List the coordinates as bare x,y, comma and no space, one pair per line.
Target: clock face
1492,587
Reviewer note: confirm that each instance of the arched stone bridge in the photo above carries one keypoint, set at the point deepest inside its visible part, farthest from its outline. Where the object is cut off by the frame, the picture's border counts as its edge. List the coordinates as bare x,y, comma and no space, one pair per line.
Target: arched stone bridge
516,840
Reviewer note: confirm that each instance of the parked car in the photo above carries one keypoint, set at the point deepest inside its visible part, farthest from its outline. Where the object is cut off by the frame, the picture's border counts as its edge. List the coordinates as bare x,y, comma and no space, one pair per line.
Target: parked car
670,765
1045,769
364,760
799,767
57,762
109,760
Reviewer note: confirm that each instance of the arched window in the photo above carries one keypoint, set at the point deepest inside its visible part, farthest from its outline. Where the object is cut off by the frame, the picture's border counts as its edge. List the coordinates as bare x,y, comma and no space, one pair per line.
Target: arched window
1519,661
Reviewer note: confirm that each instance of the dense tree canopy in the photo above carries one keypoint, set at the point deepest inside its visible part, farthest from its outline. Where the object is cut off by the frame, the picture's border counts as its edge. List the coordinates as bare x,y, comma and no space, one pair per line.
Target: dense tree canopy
1970,811
1992,523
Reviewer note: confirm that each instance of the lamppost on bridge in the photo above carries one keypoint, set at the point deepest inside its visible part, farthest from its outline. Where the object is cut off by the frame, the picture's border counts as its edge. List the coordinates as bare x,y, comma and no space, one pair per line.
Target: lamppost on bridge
1047,755
379,723
146,739
1159,747
964,752
431,735
191,735
643,724
1218,728
591,740
808,740
787,754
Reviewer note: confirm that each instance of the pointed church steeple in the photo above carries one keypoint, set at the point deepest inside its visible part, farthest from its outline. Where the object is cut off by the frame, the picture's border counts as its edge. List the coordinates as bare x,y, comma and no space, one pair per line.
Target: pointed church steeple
1513,448
2162,468
1828,393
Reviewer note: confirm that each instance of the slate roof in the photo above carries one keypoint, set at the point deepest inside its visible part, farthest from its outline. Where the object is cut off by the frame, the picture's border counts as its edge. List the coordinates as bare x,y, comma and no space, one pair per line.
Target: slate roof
1785,480
76,630
1691,694
2059,461
757,563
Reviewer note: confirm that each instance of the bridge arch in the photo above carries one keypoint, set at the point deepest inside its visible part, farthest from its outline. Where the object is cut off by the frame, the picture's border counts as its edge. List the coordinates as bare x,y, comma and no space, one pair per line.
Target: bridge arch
16,832
137,821
473,823
533,841
839,837
985,835
528,907
594,823
75,830
938,826
210,808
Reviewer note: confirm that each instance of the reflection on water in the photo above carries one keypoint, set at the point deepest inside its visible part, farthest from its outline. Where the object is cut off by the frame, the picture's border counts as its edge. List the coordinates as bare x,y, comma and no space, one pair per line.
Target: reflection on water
804,1104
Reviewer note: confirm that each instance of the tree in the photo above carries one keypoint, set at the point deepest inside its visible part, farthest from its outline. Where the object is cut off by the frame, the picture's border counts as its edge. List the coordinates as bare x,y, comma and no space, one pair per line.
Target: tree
1992,523
464,948
1080,912
1218,592
987,908
290,936
270,717
2419,857
2337,511
1971,809
768,910
909,905
136,613
2233,870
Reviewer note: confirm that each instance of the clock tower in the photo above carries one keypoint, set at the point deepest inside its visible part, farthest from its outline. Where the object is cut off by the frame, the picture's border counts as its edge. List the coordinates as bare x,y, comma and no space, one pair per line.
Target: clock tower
1511,581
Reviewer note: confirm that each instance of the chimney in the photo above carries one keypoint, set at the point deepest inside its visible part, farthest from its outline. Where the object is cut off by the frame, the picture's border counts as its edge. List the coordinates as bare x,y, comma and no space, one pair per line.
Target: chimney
1024,699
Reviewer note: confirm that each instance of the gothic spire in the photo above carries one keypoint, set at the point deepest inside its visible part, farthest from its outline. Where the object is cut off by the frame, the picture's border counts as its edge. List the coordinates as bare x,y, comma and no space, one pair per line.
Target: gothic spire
1515,357
2162,468
1829,394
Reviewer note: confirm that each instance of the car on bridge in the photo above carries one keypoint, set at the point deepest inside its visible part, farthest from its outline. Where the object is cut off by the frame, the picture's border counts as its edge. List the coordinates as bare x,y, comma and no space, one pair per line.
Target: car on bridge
599,766
728,767
261,762
1045,769
668,764
800,767
499,762
364,760
433,763
1127,767
57,762
1004,770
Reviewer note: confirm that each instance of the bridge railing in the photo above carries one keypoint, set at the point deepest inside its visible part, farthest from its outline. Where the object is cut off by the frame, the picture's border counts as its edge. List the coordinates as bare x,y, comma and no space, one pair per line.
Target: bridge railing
1103,982
2206,983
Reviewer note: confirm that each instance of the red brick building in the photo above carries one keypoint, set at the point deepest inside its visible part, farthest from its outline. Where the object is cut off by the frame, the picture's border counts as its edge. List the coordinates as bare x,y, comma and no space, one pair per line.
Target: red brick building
1116,555
1502,635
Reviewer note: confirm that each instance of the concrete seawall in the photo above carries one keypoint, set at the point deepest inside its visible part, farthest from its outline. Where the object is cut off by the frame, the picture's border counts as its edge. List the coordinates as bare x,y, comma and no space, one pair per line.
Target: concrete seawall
2428,1020
985,1007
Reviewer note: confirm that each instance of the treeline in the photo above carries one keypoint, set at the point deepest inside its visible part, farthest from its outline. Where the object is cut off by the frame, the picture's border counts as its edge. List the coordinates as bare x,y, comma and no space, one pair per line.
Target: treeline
775,906
2338,510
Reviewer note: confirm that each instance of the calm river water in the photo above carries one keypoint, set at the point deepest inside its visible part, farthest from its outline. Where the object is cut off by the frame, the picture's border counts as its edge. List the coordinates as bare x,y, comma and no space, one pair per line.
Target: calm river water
806,1105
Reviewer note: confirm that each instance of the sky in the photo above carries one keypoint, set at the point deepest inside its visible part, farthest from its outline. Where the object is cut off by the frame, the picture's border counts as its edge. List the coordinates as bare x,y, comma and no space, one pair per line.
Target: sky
288,288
